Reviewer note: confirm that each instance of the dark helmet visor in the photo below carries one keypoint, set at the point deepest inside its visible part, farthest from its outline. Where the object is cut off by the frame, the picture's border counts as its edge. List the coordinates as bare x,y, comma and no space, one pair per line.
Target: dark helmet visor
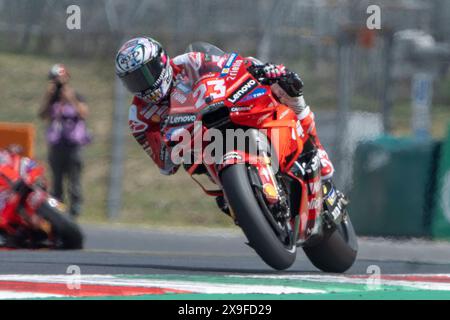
144,78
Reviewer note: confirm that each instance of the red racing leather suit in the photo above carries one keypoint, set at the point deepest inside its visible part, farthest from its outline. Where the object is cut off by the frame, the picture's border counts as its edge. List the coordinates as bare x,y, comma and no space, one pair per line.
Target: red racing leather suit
145,118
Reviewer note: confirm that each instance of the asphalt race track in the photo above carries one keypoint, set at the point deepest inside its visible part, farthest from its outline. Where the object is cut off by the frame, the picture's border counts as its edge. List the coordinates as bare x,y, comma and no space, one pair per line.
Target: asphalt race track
131,250
186,254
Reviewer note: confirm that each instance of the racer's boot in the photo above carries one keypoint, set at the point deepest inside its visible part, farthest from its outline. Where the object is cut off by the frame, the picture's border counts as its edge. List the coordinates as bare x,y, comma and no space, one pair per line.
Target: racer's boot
308,124
335,201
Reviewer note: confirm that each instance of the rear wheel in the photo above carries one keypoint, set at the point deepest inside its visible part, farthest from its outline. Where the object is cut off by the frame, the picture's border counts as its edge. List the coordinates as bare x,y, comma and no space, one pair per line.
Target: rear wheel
337,251
271,244
67,234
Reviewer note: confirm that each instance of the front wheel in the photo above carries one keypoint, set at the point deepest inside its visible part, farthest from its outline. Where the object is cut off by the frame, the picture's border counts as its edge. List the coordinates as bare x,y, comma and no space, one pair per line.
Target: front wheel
337,251
66,233
251,218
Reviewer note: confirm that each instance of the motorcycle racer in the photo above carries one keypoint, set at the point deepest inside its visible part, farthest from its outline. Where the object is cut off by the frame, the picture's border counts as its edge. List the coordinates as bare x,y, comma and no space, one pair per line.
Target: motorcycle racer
277,190
146,70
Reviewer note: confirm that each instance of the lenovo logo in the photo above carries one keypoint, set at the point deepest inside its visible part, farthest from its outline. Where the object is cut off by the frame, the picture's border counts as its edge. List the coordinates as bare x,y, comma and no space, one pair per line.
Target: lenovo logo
182,119
243,90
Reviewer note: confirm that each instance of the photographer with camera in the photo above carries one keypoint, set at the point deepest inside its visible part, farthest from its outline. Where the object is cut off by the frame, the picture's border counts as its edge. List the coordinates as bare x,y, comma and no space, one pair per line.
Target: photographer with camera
66,112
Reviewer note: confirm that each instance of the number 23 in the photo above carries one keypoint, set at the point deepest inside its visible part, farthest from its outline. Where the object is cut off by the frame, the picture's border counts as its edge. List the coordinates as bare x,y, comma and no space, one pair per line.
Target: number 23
218,91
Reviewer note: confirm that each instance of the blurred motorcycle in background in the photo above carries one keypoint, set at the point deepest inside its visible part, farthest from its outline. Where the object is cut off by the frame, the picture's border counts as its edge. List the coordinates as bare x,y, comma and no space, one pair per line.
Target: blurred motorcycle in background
29,217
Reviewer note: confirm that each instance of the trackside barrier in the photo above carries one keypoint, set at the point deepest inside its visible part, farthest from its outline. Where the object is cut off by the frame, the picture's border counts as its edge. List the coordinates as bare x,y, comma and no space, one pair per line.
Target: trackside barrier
440,225
18,133
393,184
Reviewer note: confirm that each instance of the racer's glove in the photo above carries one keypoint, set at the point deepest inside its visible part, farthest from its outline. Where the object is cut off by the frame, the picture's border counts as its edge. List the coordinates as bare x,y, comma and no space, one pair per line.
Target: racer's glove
164,130
168,167
269,74
292,84
274,71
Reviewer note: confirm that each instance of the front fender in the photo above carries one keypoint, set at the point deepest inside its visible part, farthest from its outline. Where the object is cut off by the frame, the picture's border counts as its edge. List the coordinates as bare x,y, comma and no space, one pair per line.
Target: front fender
256,150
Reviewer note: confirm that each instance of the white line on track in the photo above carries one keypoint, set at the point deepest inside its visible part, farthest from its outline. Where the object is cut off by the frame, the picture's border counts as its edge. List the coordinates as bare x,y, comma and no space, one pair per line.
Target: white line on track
192,286
8,295
424,285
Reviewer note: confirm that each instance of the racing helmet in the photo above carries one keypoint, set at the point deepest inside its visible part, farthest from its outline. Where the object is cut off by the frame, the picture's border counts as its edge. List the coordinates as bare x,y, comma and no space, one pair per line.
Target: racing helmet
144,68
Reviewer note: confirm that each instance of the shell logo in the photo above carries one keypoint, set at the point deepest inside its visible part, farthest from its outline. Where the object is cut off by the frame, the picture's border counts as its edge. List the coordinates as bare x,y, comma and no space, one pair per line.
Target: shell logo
270,191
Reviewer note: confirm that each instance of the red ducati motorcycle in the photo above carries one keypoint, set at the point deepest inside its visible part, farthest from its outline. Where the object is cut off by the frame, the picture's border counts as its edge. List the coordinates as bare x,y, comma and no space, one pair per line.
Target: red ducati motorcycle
271,183
29,216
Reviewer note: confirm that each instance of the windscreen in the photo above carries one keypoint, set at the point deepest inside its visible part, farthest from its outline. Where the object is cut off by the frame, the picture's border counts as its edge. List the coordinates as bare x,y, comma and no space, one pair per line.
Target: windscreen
212,60
204,47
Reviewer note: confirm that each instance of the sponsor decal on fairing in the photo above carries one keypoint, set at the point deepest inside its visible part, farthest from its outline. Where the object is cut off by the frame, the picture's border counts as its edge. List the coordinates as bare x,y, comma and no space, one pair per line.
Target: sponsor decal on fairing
217,104
315,163
233,72
315,186
227,66
241,109
258,92
242,91
331,197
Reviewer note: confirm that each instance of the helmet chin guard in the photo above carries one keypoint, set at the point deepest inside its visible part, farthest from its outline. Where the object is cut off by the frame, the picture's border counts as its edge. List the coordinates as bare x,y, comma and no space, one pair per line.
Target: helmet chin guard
157,95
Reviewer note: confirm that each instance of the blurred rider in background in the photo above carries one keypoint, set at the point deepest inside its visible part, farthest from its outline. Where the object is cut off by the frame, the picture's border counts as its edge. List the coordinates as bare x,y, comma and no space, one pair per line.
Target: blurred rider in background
66,112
